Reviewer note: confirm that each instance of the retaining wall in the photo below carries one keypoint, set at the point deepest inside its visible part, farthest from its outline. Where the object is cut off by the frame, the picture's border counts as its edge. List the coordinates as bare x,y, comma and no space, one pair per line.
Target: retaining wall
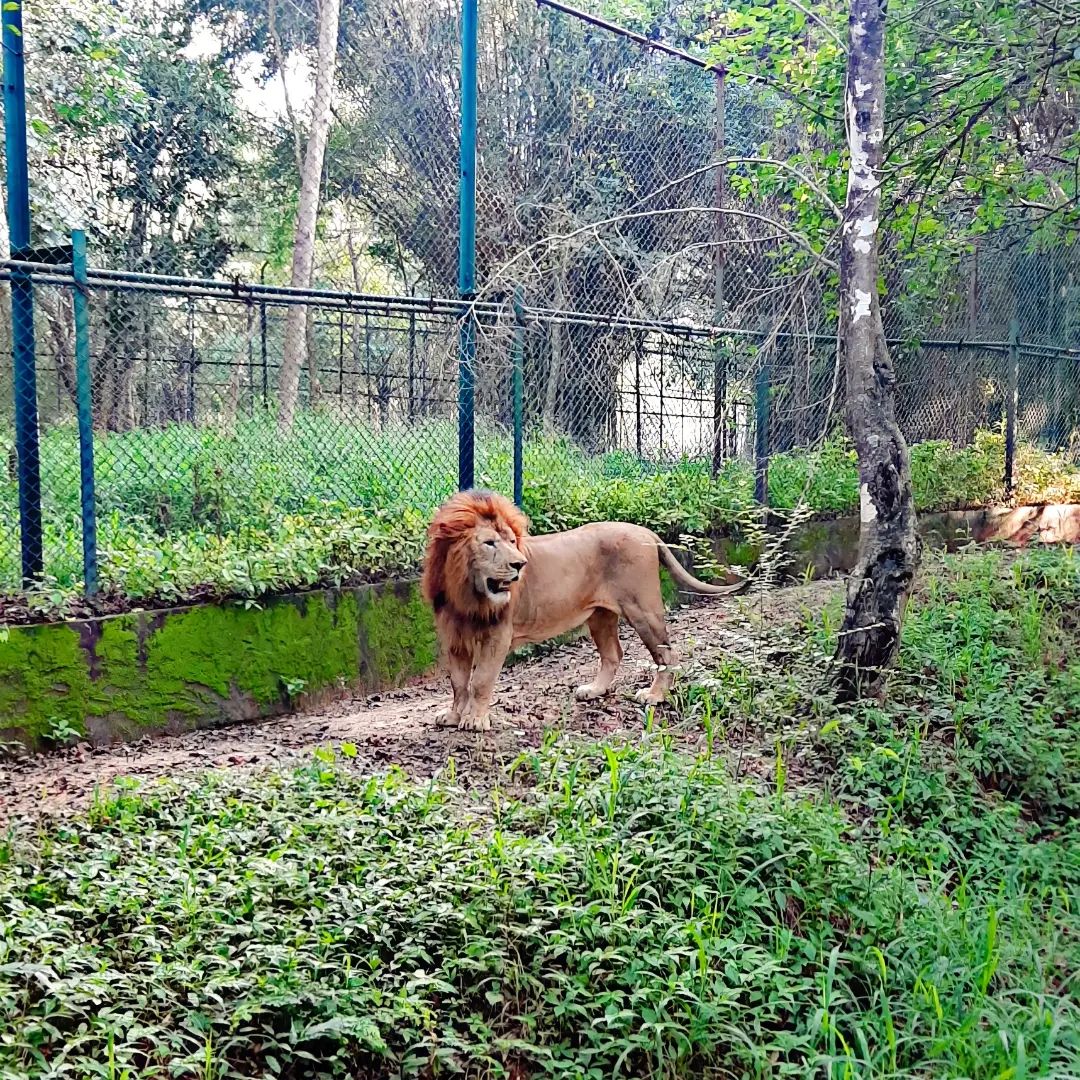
125,676
822,548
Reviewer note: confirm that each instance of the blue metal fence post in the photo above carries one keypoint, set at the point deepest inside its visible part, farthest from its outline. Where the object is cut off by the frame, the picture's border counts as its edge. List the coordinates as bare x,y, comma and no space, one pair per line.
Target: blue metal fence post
467,248
22,296
84,403
519,395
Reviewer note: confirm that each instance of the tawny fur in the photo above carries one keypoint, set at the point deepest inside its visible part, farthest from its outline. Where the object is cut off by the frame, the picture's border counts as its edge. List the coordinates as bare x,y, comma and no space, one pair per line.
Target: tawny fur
493,588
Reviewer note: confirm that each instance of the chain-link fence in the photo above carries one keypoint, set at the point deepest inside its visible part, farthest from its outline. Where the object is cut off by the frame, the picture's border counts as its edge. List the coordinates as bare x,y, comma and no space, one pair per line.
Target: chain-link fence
271,318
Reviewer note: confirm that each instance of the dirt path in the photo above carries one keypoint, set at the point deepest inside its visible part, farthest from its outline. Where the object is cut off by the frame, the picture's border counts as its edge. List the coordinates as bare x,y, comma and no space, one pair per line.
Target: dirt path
397,727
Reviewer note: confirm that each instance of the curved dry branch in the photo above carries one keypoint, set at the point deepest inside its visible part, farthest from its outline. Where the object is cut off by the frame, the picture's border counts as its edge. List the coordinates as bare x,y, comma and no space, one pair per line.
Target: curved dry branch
704,169
499,273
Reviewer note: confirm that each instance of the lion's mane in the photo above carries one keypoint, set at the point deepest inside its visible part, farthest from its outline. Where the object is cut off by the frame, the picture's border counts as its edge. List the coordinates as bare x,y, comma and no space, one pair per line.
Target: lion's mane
447,583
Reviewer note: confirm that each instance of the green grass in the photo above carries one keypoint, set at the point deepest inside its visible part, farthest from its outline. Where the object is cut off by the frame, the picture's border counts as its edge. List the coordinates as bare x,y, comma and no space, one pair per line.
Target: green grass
897,899
186,511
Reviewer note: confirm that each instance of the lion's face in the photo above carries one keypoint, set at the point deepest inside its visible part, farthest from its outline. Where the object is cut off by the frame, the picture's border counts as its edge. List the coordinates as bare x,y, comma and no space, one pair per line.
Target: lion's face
475,557
495,562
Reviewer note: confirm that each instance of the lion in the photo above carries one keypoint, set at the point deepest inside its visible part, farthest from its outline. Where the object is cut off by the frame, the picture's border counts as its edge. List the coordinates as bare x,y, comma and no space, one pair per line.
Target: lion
493,588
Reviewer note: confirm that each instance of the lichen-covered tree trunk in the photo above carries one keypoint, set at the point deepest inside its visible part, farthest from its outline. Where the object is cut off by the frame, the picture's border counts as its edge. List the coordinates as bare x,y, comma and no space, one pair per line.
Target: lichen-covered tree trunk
294,348
889,547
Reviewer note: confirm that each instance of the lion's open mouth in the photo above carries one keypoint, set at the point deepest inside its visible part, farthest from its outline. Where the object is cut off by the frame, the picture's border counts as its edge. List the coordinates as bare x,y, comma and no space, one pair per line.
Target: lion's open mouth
495,587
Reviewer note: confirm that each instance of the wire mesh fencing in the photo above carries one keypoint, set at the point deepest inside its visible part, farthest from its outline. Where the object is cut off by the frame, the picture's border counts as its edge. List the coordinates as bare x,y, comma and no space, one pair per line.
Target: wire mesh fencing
187,440
273,322
189,449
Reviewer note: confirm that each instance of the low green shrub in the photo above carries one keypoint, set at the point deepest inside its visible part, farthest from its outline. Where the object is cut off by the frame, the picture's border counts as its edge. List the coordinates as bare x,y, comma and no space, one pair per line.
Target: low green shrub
243,510
894,909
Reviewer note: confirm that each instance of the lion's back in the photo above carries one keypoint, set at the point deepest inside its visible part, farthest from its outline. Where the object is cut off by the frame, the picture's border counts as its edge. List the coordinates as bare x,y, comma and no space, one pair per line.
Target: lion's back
571,574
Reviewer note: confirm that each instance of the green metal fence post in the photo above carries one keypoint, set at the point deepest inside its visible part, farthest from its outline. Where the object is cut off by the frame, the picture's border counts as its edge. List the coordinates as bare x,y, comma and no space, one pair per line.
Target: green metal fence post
519,394
24,365
720,359
467,249
761,435
84,404
1011,402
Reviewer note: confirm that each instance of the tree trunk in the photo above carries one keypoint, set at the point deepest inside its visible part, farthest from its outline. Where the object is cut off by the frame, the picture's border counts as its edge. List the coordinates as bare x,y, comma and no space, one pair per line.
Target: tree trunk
889,547
58,319
556,371
295,344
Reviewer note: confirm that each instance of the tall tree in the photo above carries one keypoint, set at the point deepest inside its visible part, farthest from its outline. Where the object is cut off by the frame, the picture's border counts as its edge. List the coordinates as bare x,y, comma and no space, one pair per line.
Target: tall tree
141,145
295,346
889,546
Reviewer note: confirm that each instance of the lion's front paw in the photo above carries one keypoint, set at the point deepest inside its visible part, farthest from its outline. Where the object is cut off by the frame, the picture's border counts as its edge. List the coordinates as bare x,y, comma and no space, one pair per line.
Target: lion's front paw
475,722
590,692
447,718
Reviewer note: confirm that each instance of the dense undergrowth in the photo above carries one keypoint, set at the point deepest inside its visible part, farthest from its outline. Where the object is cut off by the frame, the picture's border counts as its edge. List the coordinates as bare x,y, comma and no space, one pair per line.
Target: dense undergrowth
188,512
899,899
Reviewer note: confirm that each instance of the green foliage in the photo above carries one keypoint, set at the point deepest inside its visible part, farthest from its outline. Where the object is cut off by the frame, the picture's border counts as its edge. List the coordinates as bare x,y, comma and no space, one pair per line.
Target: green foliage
1001,644
984,700
111,87
961,88
624,923
980,191
947,480
633,912
966,777
190,511
61,731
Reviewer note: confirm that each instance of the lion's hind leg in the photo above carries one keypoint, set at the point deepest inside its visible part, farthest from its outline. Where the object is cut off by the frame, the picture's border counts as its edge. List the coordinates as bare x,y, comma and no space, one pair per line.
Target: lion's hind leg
652,629
604,628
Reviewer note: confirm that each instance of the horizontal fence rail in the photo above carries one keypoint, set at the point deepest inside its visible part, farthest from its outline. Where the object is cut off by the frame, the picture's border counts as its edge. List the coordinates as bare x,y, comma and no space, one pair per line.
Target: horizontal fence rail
49,274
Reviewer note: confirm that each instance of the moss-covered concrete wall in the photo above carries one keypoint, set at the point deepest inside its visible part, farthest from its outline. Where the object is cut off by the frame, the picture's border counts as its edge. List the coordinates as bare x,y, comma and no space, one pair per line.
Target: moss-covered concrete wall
126,676
122,677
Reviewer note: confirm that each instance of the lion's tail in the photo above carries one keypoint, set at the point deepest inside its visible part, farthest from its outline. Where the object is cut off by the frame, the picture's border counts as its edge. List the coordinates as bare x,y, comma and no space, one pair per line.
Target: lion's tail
688,581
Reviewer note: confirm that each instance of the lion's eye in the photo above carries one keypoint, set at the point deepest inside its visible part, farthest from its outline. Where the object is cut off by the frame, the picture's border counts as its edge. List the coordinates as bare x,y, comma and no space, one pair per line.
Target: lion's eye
489,543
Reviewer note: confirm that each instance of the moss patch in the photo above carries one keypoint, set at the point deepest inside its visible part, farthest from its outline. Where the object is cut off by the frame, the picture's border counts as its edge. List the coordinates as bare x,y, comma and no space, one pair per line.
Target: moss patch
212,652
44,678
398,634
121,677
668,589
